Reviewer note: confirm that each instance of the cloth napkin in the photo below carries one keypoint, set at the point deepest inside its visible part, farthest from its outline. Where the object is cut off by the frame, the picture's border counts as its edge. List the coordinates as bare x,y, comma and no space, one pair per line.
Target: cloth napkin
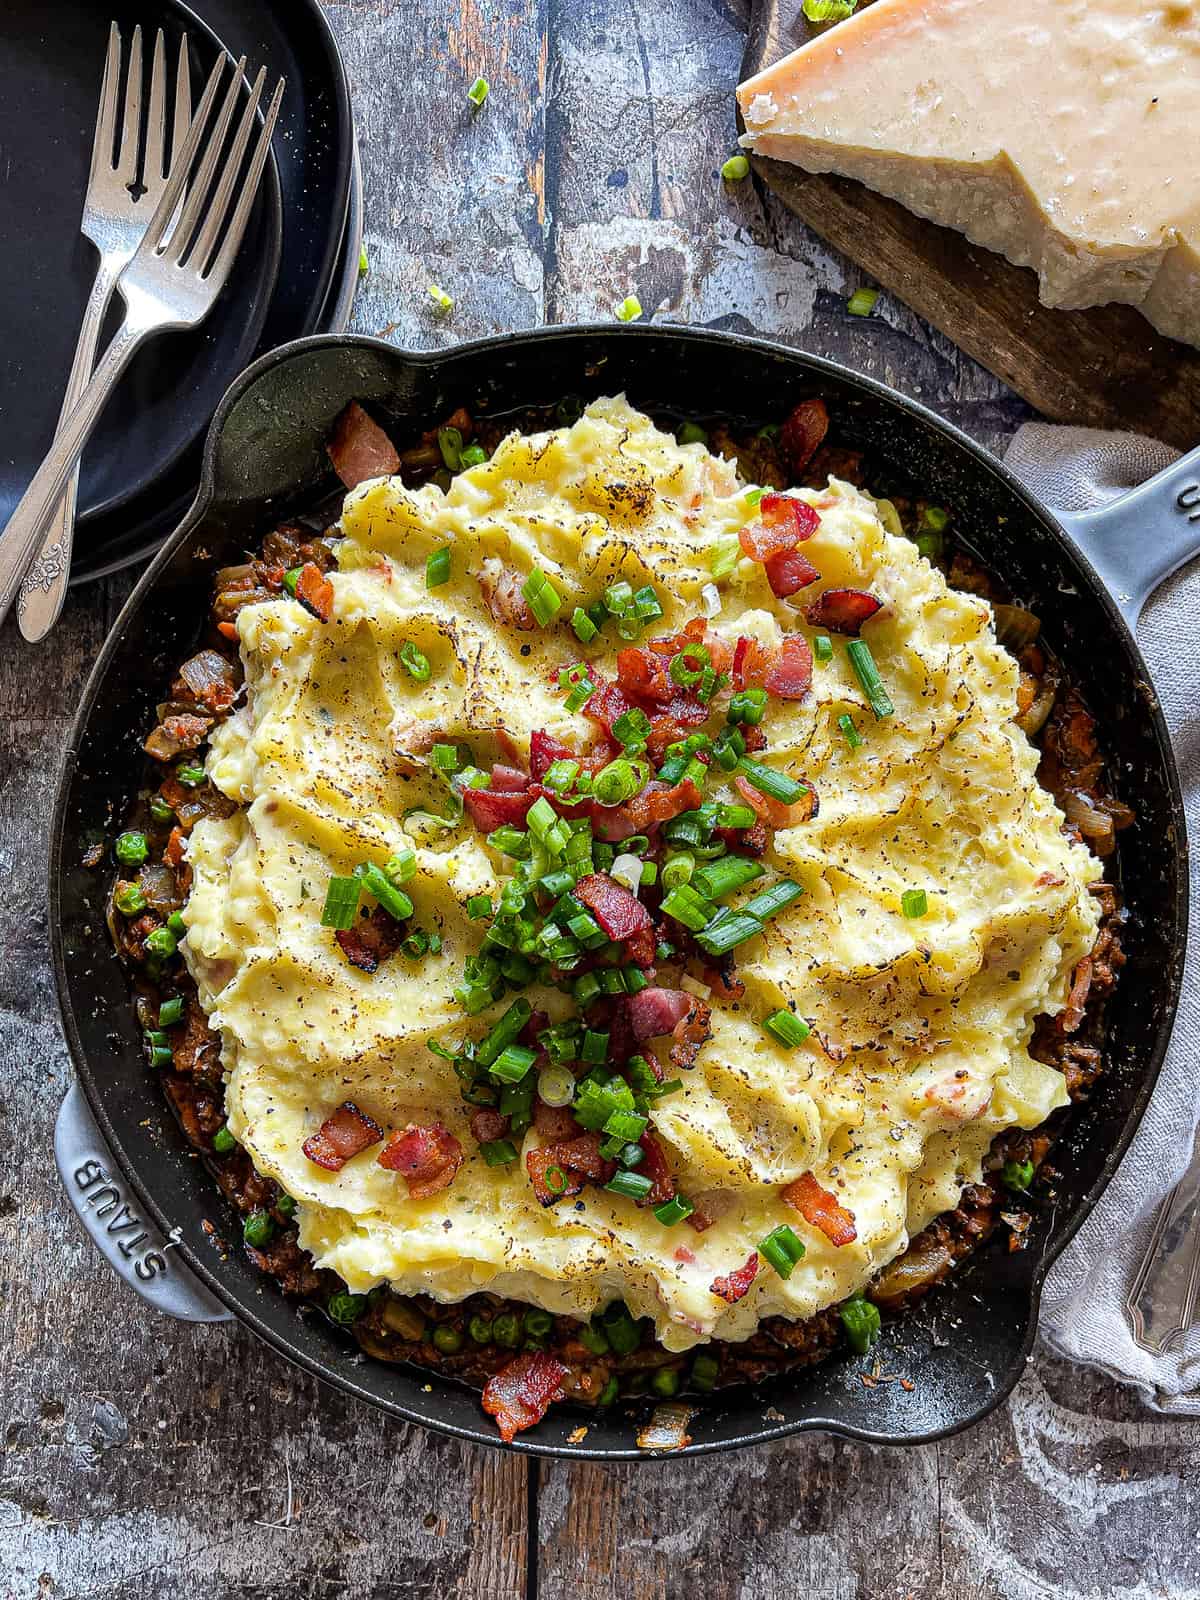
1083,1308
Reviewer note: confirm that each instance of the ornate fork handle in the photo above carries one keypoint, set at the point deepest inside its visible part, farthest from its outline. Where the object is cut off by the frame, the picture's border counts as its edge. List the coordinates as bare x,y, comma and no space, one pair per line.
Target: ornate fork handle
1162,1303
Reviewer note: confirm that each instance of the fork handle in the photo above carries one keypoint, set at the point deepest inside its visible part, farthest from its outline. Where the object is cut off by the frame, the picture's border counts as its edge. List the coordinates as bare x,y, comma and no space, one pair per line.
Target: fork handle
45,585
20,540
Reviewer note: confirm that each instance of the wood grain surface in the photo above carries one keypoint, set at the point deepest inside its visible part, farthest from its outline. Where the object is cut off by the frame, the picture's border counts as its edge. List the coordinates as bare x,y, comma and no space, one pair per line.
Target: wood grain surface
1106,367
147,1460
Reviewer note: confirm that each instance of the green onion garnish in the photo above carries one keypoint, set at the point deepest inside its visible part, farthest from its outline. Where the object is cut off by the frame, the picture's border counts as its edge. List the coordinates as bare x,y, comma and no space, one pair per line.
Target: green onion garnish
503,1032
862,302
585,628
544,599
556,1085
626,1125
398,869
849,732
631,727
747,706
190,776
617,782
770,902
688,665
735,169
788,1028
678,869
415,662
437,569
560,775
823,647
131,849
1017,1174
631,1184
914,902
727,930
674,1210
376,882
867,673
498,1153
478,92
170,1012
440,298
341,903
781,1249
862,1323
160,810
513,1062
479,906
723,876
510,841
686,906
735,816
726,554
630,309
450,443
291,579
768,781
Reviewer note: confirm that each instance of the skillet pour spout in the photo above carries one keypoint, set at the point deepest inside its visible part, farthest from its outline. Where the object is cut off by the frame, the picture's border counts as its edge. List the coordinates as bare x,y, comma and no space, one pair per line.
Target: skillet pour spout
964,1346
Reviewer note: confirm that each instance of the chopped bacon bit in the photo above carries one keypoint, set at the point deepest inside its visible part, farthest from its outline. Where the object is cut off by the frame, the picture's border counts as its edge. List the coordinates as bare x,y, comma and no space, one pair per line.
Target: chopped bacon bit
520,1394
690,1033
802,435
790,572
723,980
1049,880
1081,982
544,751
620,913
842,610
656,803
696,631
783,523
428,1158
346,1133
735,1285
821,1209
371,940
654,1166
173,853
683,1255
700,1219
791,672
360,449
508,780
487,1125
501,590
554,1122
227,630
774,812
641,673
490,810
576,1160
656,1012
315,592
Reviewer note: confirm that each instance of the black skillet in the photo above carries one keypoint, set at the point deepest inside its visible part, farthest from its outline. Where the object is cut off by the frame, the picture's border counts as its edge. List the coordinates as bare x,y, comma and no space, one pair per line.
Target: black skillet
965,1346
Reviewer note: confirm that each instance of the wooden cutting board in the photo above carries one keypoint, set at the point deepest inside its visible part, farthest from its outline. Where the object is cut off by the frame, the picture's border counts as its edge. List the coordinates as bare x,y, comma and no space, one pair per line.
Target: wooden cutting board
1106,367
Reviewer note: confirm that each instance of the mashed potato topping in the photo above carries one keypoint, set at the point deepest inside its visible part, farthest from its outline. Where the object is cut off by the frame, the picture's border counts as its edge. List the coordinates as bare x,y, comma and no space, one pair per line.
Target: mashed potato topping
920,1025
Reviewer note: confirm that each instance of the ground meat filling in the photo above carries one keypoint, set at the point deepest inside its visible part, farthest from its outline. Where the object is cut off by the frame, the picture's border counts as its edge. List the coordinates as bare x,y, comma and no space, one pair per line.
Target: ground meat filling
483,1336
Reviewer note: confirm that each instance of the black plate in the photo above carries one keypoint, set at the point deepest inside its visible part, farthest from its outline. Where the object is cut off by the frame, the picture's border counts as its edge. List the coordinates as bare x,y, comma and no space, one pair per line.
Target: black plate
50,71
966,1343
314,154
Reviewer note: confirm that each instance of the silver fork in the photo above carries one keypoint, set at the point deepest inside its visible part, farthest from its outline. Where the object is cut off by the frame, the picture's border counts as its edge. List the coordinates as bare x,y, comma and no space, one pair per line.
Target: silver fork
172,282
116,213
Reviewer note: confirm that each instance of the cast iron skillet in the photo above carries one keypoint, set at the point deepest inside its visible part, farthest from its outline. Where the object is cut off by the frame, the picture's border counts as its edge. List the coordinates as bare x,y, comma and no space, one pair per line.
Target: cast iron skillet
966,1344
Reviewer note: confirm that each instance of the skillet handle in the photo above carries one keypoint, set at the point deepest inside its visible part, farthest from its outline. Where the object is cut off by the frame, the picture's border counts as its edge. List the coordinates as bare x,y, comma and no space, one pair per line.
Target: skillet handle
1136,541
133,1248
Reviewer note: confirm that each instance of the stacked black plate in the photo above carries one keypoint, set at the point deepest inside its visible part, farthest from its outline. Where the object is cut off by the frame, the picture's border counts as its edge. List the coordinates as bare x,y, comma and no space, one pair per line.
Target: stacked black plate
296,274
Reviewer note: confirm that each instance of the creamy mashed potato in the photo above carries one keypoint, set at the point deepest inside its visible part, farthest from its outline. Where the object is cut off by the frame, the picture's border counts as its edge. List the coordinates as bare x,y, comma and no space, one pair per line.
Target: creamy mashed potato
919,1051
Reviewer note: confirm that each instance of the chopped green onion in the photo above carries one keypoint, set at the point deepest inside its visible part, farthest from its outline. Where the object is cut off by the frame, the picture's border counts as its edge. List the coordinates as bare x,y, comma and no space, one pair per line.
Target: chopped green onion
914,902
437,569
398,869
510,841
788,1028
170,1012
450,443
726,554
770,782
415,662
1017,1175
647,604
770,902
291,580
417,944
341,903
781,1249
617,782
823,647
678,869
727,930
867,673
440,298
560,775
849,732
258,1229
862,302
691,433
634,1185
160,811
689,665
630,309
223,1141
131,849
580,686
478,92
626,1125
585,628
556,1086
723,876
828,10
594,1051
631,727
478,906
862,1323
130,899
345,1309
618,599
513,1062
394,901
687,907
498,1152
503,1032
544,599
736,816
674,1210
747,706
735,169
728,749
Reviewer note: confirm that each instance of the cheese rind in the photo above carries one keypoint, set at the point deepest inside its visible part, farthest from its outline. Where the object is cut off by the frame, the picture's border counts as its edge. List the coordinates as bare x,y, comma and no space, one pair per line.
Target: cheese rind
1060,133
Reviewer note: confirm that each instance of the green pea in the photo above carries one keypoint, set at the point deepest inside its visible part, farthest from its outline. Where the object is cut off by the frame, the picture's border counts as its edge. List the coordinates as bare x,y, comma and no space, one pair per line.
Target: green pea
506,1330
665,1382
447,1339
131,849
258,1229
480,1329
609,1393
286,1207
129,899
538,1323
223,1141
705,1369
347,1308
594,1339
160,943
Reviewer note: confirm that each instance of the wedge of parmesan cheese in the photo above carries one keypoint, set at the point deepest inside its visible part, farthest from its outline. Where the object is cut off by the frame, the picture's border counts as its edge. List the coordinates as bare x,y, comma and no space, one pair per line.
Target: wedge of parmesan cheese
1062,133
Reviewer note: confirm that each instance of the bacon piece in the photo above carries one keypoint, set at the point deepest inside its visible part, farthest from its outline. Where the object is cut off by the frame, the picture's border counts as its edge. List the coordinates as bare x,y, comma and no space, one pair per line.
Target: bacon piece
724,979
371,940
790,673
700,1219
783,522
656,803
696,631
641,673
842,610
488,1125
656,1012
689,1033
501,588
653,1165
774,812
427,1157
508,780
802,435
544,751
789,572
554,1122
489,810
315,592
346,1133
959,1096
606,705
735,1285
618,911
821,1209
520,1394
359,449
577,1159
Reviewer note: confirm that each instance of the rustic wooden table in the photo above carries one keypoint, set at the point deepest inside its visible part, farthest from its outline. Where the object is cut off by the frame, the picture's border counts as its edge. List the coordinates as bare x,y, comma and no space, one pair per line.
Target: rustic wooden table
145,1458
